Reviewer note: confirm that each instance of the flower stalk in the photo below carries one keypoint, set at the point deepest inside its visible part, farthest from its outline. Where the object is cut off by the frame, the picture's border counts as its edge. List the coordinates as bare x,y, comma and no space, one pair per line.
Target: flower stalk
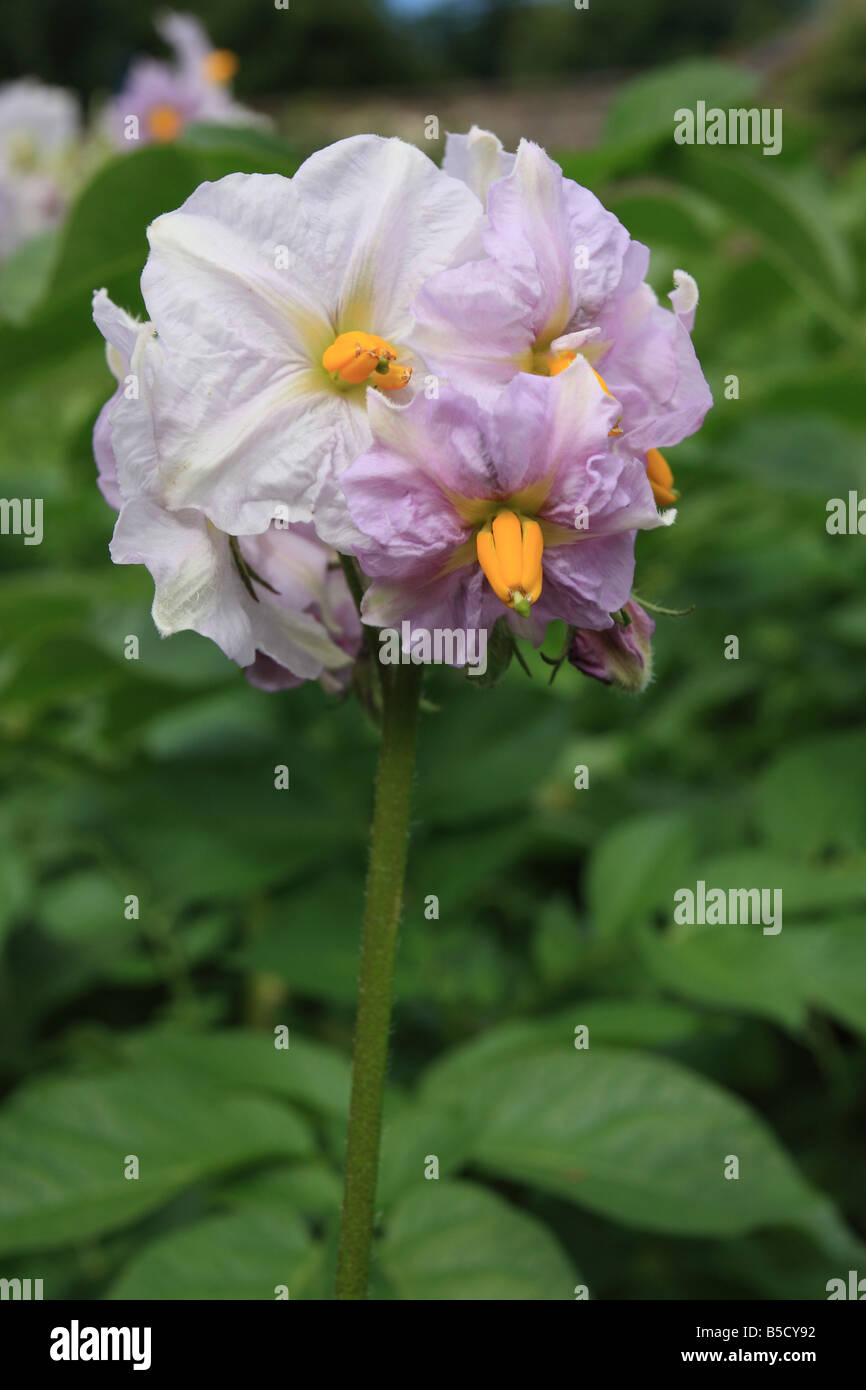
401,689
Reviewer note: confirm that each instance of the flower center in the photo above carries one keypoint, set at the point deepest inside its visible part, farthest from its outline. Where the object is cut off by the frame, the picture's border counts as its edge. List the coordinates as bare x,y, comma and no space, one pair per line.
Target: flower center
545,362
220,66
355,356
163,123
509,549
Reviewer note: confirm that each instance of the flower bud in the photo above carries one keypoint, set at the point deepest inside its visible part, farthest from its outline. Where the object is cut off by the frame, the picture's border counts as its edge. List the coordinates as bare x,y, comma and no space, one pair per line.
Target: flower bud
621,654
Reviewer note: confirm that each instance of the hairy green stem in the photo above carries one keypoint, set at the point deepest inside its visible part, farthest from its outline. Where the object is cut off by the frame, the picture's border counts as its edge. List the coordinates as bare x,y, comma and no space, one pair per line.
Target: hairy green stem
401,688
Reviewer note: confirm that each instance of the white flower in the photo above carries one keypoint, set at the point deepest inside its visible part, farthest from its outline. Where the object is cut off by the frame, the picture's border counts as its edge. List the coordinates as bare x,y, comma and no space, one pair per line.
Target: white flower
249,284
270,594
38,128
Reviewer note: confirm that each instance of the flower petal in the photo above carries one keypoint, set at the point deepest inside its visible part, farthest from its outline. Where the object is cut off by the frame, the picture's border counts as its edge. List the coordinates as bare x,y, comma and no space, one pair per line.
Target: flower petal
477,159
382,219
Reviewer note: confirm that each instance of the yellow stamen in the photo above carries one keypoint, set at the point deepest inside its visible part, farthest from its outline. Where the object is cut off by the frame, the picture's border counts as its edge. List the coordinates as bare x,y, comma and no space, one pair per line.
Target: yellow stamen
355,356
510,549
607,391
394,378
548,363
164,123
558,361
220,66
603,384
661,478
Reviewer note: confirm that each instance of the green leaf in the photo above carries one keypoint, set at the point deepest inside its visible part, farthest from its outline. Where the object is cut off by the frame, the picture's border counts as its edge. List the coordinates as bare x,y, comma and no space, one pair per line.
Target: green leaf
412,1133
637,1138
455,1241
645,110
485,762
64,1143
808,802
25,276
780,455
243,1255
774,977
635,869
664,215
807,889
306,1072
221,150
110,250
789,219
292,945
313,1188
59,670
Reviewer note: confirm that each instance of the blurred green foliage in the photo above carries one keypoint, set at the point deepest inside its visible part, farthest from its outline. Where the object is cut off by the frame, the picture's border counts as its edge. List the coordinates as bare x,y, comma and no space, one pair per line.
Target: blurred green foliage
154,777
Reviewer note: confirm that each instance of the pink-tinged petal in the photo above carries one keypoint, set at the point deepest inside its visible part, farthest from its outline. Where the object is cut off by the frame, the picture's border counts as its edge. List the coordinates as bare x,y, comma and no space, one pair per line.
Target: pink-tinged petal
268,675
653,371
397,492
552,230
547,428
586,582
452,601
474,327
476,159
560,274
103,452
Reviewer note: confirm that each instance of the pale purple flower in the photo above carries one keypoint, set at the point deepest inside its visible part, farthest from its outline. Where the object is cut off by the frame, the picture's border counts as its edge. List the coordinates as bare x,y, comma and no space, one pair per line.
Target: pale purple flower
622,654
270,600
560,277
154,106
248,285
159,100
442,470
195,55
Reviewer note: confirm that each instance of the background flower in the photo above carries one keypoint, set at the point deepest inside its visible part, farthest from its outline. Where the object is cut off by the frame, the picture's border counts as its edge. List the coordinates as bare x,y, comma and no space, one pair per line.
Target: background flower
39,126
164,98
